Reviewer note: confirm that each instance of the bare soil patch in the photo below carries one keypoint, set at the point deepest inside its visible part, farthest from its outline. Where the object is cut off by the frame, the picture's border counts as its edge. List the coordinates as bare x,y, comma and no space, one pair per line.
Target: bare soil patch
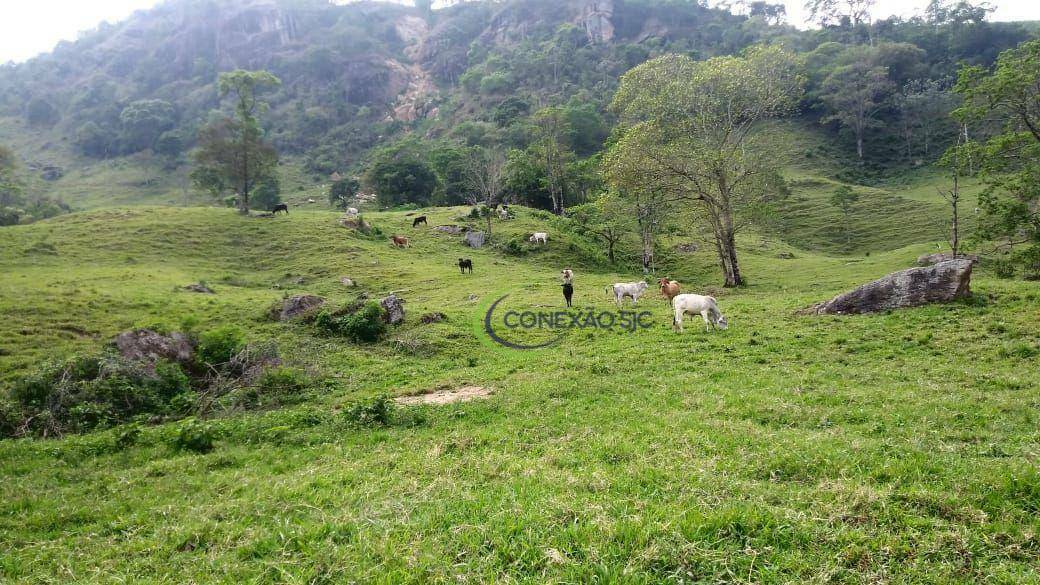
446,396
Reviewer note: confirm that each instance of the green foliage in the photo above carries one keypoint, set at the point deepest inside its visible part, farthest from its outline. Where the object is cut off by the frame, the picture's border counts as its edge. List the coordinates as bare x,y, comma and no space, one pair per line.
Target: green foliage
11,188
40,112
1008,162
92,140
94,392
378,411
217,346
400,175
192,435
341,192
232,154
268,193
362,324
144,121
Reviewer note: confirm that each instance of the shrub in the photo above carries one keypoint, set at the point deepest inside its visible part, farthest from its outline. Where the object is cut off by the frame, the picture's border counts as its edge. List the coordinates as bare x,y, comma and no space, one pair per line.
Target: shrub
218,346
194,436
1004,268
363,325
378,411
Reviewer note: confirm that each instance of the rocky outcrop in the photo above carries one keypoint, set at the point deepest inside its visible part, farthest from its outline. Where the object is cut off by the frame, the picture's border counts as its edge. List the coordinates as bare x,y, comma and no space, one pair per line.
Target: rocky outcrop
199,288
147,346
450,229
297,306
945,281
393,309
474,239
594,17
929,259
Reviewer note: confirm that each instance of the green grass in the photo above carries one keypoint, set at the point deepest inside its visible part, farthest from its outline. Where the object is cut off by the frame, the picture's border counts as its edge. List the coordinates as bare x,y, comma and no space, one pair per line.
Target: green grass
897,447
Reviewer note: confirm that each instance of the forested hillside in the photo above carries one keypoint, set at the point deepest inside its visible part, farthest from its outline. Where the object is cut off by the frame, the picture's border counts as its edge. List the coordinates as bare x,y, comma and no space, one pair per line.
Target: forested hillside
365,82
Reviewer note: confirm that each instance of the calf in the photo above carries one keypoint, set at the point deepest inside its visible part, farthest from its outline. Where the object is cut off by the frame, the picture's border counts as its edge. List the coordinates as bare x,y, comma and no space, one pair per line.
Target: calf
694,304
669,288
567,274
421,219
539,237
280,207
633,290
399,241
464,264
568,292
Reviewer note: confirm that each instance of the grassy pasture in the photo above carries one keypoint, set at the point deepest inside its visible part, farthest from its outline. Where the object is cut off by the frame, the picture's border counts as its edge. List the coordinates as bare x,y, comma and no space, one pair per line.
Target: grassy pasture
898,447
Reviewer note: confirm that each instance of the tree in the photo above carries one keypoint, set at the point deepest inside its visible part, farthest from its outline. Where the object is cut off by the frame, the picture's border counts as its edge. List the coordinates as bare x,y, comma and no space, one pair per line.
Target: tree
268,193
485,173
855,94
1007,99
232,153
10,188
827,12
551,128
94,141
400,175
844,198
924,113
342,191
40,112
608,219
144,121
689,132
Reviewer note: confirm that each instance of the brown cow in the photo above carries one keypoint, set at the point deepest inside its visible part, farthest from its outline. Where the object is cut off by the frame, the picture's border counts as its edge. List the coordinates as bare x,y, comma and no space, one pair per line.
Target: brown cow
669,288
399,241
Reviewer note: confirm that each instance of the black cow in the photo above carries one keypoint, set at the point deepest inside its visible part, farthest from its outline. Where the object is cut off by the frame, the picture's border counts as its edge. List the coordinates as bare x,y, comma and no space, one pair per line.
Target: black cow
280,207
568,292
465,263
418,220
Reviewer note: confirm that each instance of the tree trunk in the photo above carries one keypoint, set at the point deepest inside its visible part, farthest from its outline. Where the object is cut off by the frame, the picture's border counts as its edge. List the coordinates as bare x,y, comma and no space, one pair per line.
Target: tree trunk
859,145
733,276
610,251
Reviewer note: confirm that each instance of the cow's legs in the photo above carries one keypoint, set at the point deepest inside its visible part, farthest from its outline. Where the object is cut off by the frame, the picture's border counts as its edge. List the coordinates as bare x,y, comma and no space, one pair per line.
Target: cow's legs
707,322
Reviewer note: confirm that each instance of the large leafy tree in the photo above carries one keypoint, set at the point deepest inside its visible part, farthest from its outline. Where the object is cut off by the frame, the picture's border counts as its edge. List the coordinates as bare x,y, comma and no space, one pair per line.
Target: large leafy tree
400,174
855,95
689,132
232,154
144,121
608,219
1006,98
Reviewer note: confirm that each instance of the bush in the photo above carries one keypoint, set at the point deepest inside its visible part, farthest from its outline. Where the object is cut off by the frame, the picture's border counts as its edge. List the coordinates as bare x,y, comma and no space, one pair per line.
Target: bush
363,325
87,393
217,347
194,436
378,411
1004,268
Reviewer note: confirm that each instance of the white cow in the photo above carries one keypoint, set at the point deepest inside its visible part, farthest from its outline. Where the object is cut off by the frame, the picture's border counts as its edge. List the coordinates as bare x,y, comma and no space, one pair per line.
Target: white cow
539,237
707,307
634,290
352,211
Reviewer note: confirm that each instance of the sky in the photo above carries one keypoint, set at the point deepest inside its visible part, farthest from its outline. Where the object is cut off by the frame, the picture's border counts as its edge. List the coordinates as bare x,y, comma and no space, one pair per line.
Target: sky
31,27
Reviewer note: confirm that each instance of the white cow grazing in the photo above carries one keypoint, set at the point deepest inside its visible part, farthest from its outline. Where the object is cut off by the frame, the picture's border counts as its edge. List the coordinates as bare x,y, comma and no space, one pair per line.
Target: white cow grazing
539,237
707,307
352,211
634,290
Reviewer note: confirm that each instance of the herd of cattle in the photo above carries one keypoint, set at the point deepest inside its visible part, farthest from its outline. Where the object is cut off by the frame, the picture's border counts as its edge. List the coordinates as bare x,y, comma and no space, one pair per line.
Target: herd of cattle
682,304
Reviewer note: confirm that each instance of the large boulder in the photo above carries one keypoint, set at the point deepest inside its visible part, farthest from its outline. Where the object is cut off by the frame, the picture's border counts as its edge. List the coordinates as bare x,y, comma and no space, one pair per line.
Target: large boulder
147,346
394,309
474,239
929,259
298,306
942,282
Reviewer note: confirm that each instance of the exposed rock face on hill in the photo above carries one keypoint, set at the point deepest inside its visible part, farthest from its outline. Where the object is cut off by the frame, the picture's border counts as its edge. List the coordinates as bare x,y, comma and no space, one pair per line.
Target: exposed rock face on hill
945,281
929,259
594,16
298,306
147,346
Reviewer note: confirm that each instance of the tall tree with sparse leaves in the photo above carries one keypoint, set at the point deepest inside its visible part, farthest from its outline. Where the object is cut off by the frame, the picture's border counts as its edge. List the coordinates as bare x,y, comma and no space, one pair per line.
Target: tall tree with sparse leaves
232,154
690,131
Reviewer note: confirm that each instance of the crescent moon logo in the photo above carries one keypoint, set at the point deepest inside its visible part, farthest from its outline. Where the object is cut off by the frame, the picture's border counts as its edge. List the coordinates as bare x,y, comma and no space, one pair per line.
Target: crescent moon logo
494,336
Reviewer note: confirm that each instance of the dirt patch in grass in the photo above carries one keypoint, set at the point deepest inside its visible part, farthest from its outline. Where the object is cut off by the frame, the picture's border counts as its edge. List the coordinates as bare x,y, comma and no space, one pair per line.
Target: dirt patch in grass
446,396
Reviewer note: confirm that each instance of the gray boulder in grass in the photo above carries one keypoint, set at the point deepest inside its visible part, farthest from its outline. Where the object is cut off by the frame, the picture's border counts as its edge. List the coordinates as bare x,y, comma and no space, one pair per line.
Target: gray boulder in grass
474,239
942,282
393,308
147,346
298,306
